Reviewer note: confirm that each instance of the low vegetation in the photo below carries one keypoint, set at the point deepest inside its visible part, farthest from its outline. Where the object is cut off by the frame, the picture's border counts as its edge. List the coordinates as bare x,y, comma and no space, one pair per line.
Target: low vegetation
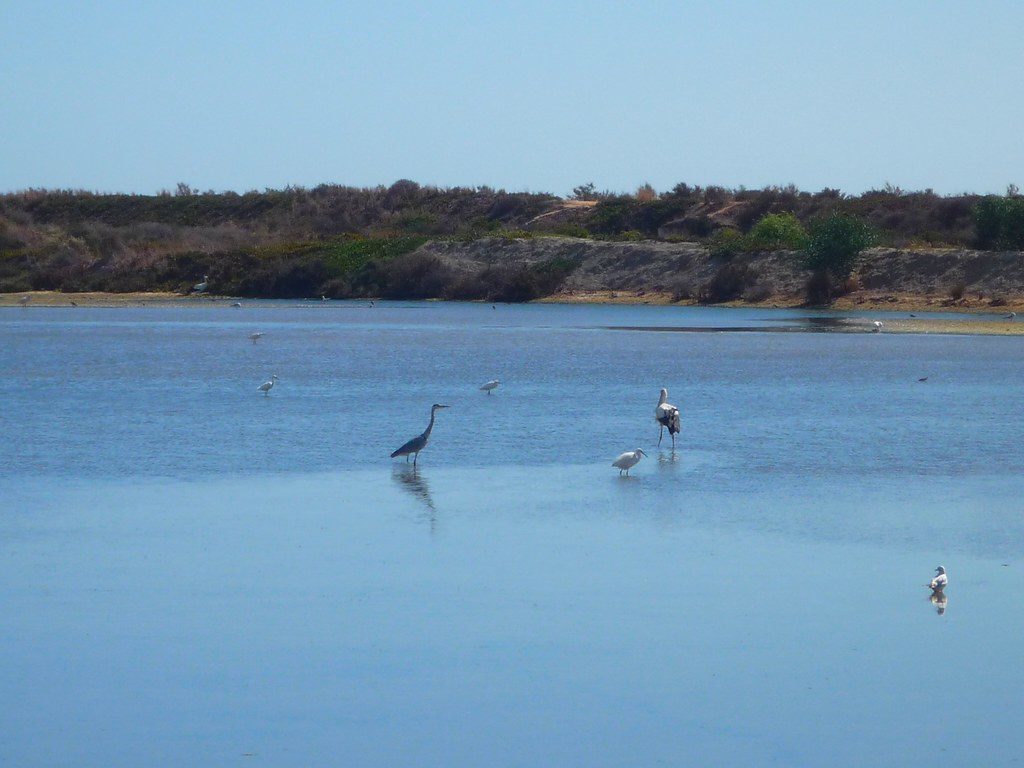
344,241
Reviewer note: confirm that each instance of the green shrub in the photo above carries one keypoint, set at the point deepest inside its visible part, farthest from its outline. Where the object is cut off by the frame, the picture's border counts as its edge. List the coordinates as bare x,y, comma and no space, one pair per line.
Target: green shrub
834,243
999,222
728,283
777,232
726,243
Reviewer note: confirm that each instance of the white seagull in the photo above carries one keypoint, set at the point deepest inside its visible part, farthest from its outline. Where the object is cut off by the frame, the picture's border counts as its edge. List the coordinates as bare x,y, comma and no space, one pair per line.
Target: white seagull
628,460
940,581
877,326
201,287
490,385
667,415
237,304
266,386
256,336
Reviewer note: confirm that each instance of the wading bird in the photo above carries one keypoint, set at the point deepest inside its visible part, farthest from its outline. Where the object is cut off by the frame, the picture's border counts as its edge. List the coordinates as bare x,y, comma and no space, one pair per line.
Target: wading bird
667,415
201,287
256,336
923,378
24,300
237,304
877,326
418,443
940,581
266,386
1011,316
628,460
492,384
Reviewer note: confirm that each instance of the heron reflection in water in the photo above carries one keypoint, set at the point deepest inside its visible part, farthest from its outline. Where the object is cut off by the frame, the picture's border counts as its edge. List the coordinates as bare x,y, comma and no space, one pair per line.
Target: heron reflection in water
410,480
939,600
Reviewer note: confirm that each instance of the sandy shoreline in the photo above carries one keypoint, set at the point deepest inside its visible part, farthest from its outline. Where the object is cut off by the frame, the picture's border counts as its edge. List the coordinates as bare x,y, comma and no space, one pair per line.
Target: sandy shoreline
998,324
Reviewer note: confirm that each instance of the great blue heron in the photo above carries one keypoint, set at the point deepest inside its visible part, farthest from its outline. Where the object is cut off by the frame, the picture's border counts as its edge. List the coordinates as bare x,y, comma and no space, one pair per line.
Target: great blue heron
201,287
492,384
667,415
940,581
418,443
256,336
266,386
628,460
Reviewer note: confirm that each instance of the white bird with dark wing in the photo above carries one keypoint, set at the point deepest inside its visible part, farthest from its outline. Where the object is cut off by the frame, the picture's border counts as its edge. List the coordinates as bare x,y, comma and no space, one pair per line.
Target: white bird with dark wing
418,443
667,415
940,581
266,386
877,326
256,336
628,460
201,287
490,385
1012,316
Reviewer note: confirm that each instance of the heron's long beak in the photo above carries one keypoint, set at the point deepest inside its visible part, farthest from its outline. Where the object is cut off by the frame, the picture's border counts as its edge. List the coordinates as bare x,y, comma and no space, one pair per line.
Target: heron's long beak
444,406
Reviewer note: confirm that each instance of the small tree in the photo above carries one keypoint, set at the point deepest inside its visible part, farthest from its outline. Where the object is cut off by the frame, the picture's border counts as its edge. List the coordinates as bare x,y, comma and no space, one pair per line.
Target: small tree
833,245
999,222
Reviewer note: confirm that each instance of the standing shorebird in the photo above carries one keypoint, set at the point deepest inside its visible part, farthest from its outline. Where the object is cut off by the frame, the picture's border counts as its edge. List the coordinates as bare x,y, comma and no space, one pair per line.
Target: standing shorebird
23,301
256,336
628,460
490,385
201,287
266,386
1012,316
418,443
877,326
667,415
940,581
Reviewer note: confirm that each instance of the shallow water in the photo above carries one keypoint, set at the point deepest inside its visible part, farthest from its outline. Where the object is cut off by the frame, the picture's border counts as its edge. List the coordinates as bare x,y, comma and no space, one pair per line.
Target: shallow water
195,574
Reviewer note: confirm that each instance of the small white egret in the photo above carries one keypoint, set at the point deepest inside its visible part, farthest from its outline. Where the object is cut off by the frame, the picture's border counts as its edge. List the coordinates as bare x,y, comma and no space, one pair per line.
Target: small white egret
256,336
418,443
628,460
201,287
266,386
877,326
490,385
940,581
667,415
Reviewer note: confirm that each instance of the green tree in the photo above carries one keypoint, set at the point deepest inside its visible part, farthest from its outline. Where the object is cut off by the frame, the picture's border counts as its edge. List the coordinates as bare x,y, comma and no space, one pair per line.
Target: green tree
999,222
834,243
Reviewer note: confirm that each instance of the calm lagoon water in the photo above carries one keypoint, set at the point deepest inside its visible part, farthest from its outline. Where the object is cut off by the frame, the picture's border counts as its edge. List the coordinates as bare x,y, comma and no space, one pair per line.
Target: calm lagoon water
194,574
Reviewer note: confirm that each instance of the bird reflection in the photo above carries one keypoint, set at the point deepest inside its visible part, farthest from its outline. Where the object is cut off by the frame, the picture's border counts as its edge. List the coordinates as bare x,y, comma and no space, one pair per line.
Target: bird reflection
667,458
939,600
410,480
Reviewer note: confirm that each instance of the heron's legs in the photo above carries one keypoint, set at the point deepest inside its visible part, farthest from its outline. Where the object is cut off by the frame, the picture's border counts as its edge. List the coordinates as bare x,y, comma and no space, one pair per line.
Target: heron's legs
661,433
415,458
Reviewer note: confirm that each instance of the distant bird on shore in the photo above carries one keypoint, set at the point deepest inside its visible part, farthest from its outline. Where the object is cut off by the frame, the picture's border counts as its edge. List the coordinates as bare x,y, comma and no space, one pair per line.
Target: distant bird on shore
628,460
24,300
323,298
912,314
1012,316
201,287
256,336
923,378
74,303
237,304
940,581
418,443
371,303
877,326
490,385
266,386
667,415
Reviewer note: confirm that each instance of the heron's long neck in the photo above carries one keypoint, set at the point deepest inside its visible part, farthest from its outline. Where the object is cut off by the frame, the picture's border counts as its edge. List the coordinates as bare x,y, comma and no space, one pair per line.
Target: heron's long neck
662,398
430,426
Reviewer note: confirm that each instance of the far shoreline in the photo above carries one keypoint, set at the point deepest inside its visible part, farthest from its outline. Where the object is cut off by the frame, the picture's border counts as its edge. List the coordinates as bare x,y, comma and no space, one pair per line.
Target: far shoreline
859,304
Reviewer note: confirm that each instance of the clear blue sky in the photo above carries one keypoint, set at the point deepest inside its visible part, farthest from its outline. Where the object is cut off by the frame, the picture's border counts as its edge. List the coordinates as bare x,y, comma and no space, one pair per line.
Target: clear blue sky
530,95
